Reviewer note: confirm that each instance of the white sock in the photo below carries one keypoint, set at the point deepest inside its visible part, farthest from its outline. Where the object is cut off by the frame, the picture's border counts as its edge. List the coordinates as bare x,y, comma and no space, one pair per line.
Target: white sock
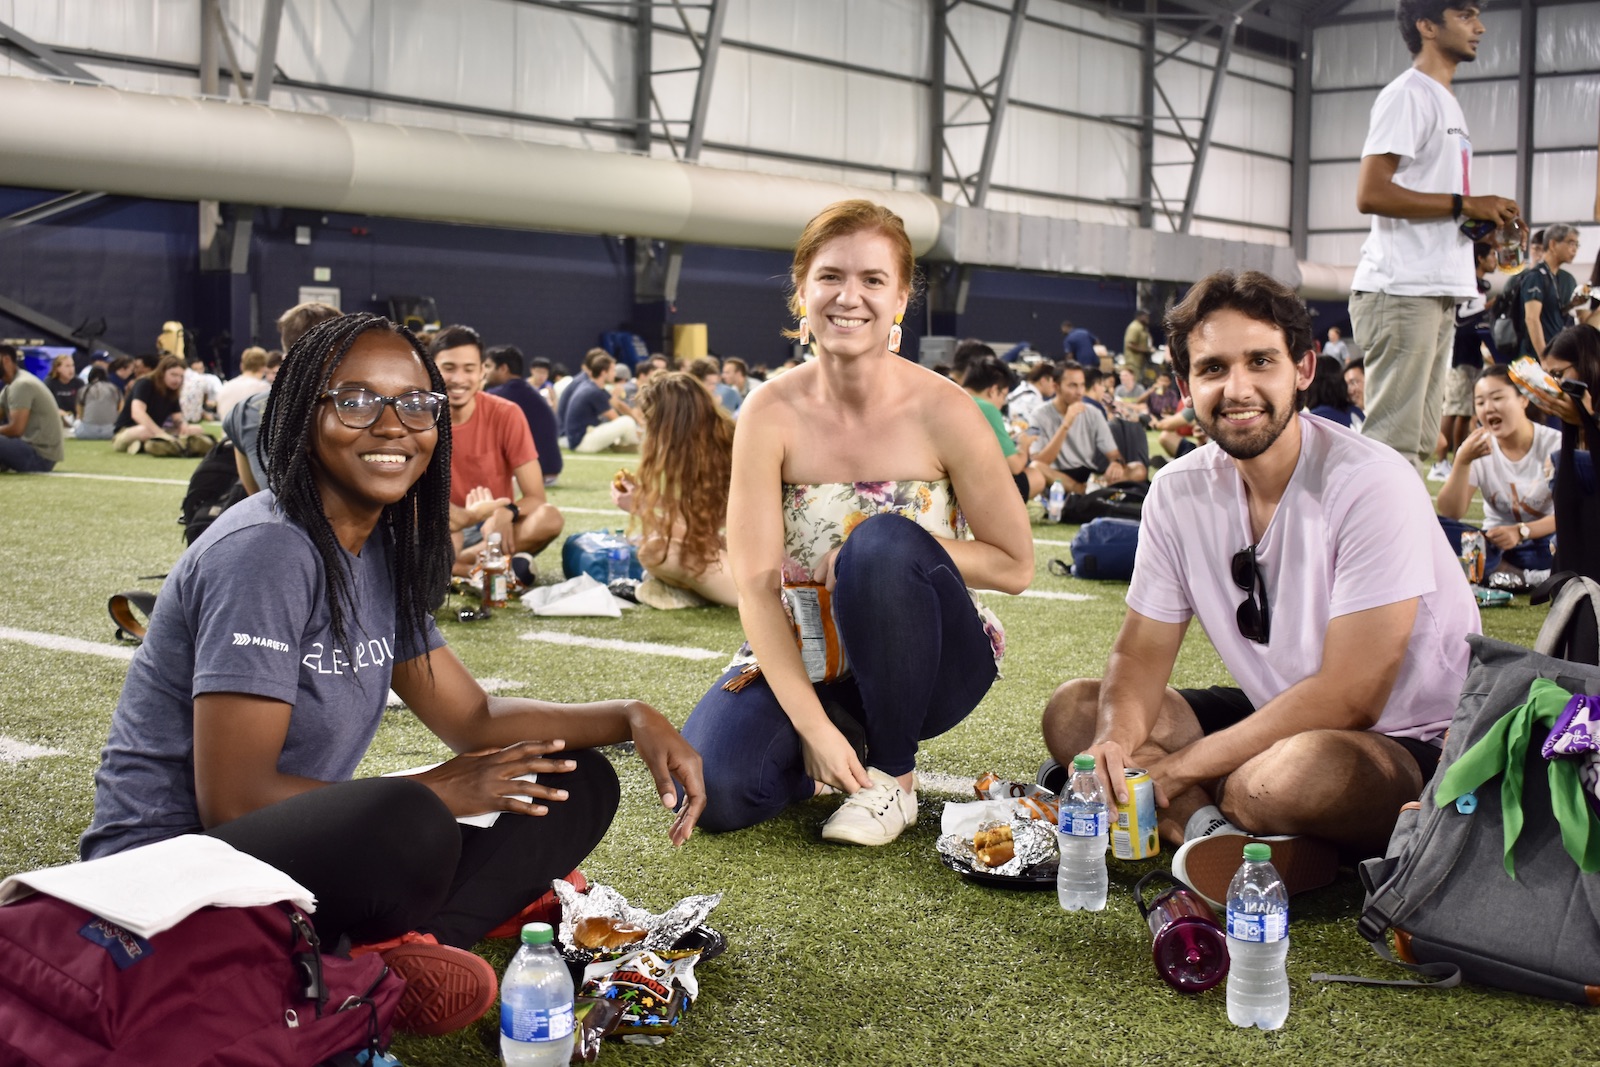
1207,821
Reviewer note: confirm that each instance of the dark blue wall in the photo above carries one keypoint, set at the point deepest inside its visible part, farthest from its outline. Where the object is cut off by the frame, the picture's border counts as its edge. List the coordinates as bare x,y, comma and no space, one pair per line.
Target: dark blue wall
135,263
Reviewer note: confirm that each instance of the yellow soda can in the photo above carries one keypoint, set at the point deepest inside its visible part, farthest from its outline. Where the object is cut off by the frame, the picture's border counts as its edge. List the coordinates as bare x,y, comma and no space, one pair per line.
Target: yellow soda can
1134,837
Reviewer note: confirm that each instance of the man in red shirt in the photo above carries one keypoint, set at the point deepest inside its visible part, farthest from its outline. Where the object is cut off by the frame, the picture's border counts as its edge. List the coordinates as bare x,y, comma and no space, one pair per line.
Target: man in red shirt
490,449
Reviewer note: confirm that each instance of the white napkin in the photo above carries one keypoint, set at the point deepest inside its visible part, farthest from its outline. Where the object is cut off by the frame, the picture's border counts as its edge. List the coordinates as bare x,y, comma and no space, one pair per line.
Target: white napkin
486,819
154,887
575,596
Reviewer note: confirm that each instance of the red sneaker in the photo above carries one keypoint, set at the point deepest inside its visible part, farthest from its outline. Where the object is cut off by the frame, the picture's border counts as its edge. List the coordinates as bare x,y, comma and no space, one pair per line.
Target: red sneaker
547,909
446,988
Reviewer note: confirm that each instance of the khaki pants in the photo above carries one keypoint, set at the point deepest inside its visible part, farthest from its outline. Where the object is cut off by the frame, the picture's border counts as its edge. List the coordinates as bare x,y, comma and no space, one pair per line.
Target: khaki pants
1407,341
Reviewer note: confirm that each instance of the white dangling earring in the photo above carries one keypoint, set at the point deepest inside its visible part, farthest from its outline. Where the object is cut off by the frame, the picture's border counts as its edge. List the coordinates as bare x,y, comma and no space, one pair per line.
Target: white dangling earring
805,330
894,336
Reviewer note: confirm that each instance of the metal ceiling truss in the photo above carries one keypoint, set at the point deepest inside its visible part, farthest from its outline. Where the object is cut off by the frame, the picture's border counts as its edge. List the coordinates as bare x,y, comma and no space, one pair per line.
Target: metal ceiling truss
993,93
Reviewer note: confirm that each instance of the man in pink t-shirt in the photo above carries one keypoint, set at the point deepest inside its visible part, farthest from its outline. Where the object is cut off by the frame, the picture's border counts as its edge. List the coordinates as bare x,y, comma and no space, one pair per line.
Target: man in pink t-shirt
1313,560
491,455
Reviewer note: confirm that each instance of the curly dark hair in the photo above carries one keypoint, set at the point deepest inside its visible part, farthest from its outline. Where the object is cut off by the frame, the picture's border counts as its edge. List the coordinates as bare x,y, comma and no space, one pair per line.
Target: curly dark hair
1252,293
417,527
685,465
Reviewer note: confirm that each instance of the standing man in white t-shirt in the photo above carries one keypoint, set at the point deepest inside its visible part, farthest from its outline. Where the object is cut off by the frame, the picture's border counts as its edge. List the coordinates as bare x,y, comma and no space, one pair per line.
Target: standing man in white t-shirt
1312,558
1416,182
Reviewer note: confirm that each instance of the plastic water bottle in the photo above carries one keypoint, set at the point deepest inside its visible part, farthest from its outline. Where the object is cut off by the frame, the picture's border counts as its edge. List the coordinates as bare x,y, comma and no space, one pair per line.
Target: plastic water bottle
536,1004
496,572
1258,942
1084,832
617,560
1056,501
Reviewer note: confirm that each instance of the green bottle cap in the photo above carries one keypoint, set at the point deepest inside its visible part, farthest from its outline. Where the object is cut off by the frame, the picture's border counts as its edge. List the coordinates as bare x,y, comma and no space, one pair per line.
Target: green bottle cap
537,934
1083,762
1257,852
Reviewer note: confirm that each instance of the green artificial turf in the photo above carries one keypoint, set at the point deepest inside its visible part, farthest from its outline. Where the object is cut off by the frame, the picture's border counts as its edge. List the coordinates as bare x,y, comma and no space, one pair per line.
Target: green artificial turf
835,955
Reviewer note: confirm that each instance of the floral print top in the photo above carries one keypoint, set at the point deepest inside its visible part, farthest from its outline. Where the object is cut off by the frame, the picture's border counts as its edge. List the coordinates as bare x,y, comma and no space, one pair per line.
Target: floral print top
818,518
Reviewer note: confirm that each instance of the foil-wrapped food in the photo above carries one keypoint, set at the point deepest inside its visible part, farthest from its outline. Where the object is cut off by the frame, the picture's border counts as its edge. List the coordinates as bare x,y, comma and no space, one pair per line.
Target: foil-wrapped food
660,932
1007,849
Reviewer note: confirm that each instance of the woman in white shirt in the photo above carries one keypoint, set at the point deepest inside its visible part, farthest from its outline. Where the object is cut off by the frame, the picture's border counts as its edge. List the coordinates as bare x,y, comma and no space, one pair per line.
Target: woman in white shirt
1507,458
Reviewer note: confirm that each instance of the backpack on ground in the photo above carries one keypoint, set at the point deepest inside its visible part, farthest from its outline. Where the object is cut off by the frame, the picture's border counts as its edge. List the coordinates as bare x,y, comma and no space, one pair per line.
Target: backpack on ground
247,987
1124,500
1443,885
1104,549
589,553
214,487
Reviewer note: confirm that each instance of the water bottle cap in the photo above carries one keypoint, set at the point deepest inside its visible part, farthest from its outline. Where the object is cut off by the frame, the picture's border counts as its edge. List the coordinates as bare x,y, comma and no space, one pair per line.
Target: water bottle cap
537,934
1083,762
1257,852
494,539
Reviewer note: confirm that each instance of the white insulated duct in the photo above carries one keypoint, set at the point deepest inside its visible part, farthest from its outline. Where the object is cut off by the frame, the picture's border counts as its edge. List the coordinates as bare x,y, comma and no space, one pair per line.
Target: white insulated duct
56,135
62,136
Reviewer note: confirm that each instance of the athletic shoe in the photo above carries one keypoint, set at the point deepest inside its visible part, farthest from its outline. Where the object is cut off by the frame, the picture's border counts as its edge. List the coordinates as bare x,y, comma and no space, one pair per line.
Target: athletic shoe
547,909
160,446
522,569
1208,864
873,816
1437,473
658,594
446,988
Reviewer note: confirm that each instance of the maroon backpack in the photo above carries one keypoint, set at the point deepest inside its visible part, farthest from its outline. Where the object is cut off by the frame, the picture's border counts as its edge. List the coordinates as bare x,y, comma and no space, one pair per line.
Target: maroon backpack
236,986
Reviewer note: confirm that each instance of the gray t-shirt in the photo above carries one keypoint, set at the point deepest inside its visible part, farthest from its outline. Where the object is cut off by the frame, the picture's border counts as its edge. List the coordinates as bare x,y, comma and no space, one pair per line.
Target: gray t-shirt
1089,435
100,403
43,431
244,611
242,425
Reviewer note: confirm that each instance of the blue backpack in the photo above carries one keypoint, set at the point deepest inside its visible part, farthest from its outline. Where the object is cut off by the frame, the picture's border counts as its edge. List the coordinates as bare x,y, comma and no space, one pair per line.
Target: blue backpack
1104,549
588,553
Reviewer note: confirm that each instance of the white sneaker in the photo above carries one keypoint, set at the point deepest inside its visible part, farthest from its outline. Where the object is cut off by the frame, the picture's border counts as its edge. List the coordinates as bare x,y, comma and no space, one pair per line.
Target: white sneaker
1439,471
874,816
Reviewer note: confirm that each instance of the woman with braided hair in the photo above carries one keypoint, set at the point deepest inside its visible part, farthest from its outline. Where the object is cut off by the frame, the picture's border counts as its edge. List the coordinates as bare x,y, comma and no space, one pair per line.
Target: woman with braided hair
268,663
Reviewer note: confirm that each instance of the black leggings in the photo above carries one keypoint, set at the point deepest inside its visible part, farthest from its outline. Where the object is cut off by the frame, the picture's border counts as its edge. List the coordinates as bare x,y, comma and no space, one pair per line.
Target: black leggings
384,855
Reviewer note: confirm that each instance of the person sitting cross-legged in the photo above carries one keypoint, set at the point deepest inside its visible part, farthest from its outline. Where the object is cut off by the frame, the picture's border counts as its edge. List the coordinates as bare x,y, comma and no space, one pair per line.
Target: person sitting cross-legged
1313,560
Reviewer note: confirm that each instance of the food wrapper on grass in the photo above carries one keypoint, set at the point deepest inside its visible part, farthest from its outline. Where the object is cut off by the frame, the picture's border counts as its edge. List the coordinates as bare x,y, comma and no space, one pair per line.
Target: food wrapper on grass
1032,843
1033,801
653,992
596,1020
601,901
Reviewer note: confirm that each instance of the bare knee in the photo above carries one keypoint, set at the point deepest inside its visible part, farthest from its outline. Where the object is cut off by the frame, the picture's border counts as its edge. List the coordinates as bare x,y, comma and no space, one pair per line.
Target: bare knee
1070,716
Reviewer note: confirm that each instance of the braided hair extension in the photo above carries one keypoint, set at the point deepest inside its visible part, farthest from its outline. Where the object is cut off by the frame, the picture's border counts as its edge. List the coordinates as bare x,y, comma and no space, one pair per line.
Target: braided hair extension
418,526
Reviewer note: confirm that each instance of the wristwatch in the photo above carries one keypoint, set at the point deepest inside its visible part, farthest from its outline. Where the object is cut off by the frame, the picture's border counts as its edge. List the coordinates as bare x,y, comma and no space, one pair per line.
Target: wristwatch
1523,531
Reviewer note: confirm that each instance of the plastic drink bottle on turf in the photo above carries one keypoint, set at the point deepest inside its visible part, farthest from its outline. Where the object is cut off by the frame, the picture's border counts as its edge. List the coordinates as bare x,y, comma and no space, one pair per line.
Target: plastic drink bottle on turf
1056,501
1258,942
617,560
496,572
536,1004
1084,833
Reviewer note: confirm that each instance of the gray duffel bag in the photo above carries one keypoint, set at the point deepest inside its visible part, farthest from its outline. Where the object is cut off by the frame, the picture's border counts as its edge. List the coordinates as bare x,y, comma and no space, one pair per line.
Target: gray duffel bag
1443,887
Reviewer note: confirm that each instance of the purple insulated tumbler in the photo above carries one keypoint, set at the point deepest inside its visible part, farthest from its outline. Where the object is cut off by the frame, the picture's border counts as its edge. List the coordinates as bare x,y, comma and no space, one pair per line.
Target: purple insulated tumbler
1190,947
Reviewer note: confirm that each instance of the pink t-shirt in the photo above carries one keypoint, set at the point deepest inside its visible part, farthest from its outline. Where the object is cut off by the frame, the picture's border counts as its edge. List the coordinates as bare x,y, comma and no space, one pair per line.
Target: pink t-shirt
1355,530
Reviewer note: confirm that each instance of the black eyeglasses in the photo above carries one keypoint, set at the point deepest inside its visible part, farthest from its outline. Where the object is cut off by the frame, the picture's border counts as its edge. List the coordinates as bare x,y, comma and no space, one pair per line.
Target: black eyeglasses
360,408
1252,618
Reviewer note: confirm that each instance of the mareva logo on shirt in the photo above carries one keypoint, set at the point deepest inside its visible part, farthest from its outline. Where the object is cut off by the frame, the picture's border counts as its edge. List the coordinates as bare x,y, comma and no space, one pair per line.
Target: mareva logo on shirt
325,659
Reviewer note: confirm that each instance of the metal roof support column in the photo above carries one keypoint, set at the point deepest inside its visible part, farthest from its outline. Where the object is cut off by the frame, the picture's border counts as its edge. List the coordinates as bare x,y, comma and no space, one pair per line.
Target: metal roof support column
1147,118
267,51
1002,93
1219,75
938,28
1525,95
708,44
1300,150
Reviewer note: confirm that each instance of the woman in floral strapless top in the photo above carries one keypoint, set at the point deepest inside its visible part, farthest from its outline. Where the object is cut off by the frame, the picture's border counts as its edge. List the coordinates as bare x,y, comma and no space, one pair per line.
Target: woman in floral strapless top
867,481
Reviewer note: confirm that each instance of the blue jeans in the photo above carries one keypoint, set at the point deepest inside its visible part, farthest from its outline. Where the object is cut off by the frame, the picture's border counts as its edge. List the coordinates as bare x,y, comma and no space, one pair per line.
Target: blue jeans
920,659
18,455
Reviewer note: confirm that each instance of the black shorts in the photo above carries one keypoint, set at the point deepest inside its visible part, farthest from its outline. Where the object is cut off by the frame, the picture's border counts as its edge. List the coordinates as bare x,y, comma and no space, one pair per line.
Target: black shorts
1021,478
1220,706
1079,474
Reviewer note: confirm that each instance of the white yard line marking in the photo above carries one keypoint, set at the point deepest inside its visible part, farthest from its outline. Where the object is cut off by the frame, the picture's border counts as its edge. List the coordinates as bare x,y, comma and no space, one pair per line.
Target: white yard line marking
959,784
643,648
57,643
1059,544
114,478
14,751
1045,594
489,685
618,512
